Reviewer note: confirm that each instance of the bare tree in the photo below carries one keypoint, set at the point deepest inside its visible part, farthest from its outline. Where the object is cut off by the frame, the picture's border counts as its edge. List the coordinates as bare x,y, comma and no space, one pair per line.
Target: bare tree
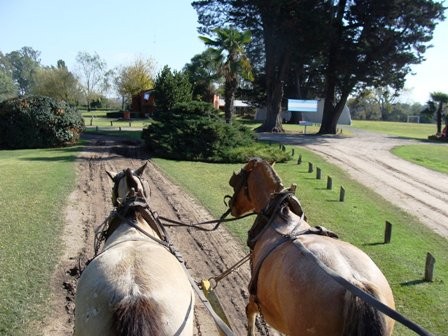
93,75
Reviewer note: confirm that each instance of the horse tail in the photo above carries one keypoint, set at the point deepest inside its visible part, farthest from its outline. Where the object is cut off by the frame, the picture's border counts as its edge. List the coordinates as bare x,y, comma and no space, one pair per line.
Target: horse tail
137,316
360,318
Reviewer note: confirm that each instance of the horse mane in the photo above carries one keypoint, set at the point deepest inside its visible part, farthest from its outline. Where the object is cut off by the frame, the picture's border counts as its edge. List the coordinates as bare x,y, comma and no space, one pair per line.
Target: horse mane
136,316
361,318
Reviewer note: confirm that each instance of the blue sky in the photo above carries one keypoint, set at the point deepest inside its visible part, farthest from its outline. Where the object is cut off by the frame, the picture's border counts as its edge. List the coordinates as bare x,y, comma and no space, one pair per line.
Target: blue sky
164,30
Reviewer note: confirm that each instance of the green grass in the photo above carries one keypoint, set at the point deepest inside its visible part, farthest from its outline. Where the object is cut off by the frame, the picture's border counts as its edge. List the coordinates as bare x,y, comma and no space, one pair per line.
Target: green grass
128,134
108,122
400,129
359,220
434,157
34,187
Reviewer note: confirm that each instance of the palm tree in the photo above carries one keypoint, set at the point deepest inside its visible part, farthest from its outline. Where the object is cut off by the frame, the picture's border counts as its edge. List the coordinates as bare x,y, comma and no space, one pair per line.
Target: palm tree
232,61
438,99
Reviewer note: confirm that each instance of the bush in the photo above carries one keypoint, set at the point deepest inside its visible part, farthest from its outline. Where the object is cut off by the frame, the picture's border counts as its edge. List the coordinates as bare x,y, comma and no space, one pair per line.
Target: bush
38,122
193,131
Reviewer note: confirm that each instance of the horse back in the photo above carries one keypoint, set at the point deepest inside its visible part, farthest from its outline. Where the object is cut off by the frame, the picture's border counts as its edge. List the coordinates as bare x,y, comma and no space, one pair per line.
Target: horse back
298,297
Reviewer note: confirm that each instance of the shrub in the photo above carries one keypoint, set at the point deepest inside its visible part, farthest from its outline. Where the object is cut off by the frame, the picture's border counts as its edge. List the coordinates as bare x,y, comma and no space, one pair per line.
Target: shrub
193,131
38,122
171,87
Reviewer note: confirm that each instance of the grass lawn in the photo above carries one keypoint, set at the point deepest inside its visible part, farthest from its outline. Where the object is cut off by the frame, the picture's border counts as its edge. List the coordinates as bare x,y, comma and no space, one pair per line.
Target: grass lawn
34,187
434,157
132,134
359,220
400,129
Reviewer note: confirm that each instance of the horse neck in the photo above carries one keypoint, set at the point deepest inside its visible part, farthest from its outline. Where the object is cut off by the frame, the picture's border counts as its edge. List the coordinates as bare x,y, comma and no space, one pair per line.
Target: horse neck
262,189
126,231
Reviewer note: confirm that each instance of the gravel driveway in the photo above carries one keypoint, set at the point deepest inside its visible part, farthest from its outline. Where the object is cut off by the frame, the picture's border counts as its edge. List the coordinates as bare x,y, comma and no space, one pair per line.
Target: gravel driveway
367,158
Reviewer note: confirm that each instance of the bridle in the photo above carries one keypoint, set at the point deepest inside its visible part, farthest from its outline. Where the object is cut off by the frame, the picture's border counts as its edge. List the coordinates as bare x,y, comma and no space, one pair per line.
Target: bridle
238,182
117,178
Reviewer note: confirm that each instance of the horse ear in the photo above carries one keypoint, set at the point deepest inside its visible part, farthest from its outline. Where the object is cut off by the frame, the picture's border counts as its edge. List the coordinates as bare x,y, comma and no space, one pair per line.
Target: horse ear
140,170
111,174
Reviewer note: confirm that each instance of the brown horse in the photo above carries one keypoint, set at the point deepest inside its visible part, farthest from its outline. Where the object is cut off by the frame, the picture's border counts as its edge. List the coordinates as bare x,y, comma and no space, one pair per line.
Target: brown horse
134,286
289,289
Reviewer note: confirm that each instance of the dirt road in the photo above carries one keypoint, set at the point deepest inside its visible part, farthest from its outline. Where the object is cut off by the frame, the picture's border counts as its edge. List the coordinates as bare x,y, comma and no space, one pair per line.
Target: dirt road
207,253
367,158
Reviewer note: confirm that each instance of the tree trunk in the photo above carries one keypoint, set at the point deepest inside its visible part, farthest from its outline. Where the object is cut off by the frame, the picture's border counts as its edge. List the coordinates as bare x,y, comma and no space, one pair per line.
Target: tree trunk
331,112
229,99
277,65
439,118
331,116
273,122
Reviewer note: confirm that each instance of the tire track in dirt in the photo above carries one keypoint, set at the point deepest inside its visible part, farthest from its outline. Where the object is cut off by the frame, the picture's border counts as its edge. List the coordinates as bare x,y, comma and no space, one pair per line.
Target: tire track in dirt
206,253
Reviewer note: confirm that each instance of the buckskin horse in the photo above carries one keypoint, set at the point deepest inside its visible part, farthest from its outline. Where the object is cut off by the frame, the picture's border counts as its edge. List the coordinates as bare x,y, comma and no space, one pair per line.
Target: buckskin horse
134,286
293,294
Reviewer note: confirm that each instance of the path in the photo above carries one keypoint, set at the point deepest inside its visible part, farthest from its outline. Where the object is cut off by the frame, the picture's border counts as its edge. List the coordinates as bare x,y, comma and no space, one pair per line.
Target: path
367,158
206,253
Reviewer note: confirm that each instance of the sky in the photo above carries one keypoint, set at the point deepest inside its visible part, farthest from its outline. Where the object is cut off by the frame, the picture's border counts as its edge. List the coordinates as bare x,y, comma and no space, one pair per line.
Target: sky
165,31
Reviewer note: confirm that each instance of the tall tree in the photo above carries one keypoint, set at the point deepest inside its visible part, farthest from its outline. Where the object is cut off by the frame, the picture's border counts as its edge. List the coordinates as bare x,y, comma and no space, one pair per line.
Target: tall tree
7,87
373,43
437,105
58,83
230,56
203,75
23,65
342,45
93,75
135,78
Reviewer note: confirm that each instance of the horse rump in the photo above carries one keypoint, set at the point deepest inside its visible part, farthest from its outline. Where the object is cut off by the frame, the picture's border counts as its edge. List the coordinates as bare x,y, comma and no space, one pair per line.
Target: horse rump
137,316
362,319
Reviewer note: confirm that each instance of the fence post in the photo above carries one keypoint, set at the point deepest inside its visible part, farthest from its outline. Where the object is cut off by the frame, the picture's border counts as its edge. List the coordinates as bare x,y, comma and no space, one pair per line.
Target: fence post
429,267
111,123
342,194
310,167
329,183
299,160
130,124
318,173
292,152
387,232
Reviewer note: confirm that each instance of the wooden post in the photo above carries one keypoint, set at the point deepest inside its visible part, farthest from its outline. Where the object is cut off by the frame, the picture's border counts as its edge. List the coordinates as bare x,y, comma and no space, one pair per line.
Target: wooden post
91,121
130,124
111,123
119,128
283,148
318,173
96,128
310,167
429,267
329,183
387,232
292,152
342,194
299,160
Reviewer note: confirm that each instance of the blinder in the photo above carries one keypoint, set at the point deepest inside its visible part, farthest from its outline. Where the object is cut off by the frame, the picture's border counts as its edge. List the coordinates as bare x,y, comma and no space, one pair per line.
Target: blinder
117,179
238,182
